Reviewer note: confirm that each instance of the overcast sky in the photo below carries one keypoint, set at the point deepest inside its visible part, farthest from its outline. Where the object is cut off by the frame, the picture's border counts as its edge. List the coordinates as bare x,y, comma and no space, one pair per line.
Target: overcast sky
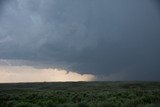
108,39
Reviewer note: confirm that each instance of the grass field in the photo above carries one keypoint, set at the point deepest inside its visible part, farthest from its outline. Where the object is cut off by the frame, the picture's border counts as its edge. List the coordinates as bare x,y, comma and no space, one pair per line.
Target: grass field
80,94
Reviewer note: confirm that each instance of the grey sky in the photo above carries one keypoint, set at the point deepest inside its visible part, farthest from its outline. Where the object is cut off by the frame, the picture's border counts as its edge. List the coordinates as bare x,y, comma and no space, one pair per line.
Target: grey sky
101,37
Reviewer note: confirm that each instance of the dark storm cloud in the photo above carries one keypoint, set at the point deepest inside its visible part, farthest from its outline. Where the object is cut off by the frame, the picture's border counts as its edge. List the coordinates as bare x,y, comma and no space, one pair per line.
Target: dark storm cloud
1,4
2,1
89,36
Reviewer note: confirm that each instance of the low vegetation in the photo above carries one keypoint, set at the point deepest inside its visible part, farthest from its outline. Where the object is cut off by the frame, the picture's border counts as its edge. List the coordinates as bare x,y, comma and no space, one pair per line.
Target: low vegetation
81,94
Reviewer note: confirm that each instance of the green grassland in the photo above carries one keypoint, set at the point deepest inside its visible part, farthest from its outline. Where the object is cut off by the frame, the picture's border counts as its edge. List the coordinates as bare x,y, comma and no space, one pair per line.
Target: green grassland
80,94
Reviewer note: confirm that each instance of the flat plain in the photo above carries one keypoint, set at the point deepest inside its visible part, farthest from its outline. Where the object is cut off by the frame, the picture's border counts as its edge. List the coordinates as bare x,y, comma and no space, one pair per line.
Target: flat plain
80,94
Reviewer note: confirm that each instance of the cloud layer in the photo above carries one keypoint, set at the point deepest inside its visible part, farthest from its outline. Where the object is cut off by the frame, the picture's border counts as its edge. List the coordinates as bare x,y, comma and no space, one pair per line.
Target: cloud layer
87,36
12,74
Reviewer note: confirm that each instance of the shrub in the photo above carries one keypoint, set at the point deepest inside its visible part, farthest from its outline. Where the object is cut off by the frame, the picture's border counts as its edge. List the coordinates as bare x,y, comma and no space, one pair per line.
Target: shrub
25,104
82,105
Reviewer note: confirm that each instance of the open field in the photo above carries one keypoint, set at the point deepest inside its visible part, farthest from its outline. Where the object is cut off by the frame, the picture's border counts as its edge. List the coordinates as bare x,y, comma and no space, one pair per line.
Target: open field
80,94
